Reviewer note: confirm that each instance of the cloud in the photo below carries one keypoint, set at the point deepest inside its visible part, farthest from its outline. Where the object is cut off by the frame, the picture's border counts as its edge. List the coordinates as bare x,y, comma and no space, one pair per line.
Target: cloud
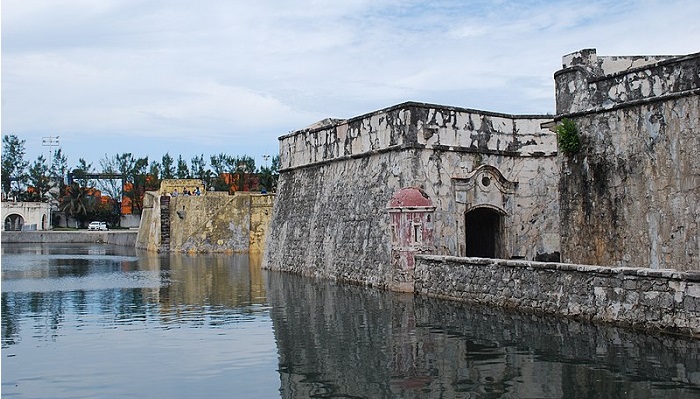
199,74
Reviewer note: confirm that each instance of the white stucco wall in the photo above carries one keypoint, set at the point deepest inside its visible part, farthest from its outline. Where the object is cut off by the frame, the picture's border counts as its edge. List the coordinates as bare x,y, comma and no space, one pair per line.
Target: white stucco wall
34,215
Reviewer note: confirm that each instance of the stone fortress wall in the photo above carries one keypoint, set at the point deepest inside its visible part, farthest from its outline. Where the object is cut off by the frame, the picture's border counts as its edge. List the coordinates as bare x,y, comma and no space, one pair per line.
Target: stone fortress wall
631,197
628,201
209,222
336,177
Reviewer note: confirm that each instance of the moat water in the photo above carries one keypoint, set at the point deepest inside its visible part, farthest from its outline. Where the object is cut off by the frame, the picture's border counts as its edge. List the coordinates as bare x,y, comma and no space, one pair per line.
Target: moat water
98,321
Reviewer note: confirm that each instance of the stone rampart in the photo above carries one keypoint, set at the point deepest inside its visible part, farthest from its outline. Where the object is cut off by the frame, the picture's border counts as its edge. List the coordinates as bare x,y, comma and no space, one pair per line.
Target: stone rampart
630,196
420,126
215,222
590,83
657,300
331,221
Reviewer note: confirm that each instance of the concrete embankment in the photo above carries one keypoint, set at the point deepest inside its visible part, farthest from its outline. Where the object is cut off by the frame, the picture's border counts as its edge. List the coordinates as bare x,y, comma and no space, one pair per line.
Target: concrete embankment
115,237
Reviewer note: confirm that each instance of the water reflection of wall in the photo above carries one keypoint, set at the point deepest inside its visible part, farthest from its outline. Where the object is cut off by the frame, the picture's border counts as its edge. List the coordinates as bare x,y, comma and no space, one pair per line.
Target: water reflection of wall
354,342
57,284
199,280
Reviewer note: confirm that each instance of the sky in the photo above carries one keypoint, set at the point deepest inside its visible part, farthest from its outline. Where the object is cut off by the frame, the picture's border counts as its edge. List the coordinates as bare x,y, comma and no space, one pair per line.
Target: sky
205,77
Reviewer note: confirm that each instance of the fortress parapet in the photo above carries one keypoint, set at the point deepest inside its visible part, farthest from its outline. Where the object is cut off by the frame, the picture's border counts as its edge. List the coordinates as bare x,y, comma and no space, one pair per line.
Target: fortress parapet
414,125
590,83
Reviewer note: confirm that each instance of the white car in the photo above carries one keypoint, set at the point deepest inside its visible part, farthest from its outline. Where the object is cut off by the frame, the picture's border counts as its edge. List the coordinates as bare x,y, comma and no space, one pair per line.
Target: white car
97,226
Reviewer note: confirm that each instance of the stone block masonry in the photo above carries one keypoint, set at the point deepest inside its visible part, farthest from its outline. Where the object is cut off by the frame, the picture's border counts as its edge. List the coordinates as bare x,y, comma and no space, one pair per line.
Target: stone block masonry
654,300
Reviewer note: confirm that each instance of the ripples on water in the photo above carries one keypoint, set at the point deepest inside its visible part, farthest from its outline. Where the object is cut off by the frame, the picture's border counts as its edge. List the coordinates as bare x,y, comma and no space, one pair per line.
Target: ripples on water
101,321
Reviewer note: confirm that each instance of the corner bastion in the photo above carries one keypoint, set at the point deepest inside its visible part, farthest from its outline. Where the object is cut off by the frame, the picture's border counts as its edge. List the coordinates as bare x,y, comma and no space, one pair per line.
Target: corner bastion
330,219
631,195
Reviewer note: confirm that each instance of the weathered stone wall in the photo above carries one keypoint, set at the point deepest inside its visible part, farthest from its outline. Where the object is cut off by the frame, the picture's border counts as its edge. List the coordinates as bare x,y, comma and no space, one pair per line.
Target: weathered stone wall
418,125
330,219
170,186
658,300
631,196
215,222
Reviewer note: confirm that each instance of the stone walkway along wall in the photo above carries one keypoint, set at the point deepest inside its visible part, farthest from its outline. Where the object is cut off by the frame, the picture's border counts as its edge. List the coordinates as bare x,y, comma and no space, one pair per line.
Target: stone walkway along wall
654,300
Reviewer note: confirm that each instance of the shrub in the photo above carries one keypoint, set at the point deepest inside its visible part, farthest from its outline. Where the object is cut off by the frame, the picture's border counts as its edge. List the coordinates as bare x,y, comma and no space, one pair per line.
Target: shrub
568,137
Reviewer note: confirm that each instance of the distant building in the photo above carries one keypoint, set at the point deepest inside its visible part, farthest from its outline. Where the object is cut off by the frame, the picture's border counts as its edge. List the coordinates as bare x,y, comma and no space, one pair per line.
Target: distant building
19,216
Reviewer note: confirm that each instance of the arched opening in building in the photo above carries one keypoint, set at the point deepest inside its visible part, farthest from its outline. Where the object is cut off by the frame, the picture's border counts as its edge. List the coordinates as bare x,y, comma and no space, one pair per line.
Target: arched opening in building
43,223
14,222
483,230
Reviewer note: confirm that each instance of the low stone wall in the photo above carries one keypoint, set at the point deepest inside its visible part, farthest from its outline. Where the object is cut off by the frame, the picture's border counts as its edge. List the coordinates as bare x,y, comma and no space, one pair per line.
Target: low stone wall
118,237
658,300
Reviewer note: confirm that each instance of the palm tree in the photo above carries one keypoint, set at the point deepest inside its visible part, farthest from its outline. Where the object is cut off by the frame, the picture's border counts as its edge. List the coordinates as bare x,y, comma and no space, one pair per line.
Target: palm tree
76,202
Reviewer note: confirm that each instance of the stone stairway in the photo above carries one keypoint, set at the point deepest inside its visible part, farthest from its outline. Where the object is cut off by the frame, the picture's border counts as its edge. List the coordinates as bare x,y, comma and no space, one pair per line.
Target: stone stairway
165,223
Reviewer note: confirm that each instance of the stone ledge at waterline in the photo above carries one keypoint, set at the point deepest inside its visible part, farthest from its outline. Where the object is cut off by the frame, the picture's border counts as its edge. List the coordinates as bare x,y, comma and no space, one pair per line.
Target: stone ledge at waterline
115,237
663,300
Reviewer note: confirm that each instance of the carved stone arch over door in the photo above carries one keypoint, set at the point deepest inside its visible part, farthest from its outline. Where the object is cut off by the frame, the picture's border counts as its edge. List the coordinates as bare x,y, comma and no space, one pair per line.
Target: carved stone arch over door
484,199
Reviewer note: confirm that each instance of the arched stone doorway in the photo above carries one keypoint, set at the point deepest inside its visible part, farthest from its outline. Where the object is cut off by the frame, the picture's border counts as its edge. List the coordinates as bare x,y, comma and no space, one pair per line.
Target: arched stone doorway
14,222
483,232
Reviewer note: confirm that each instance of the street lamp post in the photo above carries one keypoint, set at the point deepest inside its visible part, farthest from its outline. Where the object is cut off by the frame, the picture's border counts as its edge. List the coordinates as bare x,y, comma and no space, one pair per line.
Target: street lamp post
51,142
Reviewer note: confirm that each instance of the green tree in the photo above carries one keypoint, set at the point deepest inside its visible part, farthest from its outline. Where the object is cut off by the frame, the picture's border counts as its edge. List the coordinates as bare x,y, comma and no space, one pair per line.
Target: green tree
183,172
80,171
58,172
77,202
14,167
268,176
153,177
111,187
568,137
168,168
199,169
39,181
134,171
245,173
222,165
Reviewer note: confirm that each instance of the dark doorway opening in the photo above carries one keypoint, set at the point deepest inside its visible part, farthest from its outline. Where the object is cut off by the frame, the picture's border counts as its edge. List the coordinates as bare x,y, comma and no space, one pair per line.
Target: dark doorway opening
14,222
483,232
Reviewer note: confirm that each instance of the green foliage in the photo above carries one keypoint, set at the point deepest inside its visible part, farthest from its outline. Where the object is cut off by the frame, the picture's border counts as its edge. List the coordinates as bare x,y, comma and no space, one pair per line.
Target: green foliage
167,163
76,202
14,167
183,171
568,137
40,181
268,176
